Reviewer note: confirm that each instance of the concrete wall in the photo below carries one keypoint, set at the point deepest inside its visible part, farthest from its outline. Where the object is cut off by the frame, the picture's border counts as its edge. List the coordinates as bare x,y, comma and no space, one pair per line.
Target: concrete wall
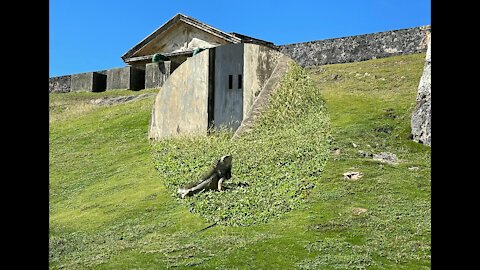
59,84
198,93
157,73
88,81
125,78
262,101
228,102
358,48
259,63
181,106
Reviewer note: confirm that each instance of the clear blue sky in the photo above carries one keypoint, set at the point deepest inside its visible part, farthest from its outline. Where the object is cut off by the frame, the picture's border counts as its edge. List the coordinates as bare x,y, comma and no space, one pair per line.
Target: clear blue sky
90,35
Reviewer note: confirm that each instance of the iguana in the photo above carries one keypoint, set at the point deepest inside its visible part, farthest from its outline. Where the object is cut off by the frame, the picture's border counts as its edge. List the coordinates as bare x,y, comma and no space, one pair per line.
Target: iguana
213,179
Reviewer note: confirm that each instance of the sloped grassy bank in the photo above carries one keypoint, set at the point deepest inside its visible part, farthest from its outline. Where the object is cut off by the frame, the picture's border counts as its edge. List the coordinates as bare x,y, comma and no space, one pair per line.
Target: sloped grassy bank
109,208
274,166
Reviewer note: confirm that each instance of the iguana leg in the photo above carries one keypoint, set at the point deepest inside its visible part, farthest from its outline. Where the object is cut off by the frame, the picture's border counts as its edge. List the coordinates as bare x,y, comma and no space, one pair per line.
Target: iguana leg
203,185
220,182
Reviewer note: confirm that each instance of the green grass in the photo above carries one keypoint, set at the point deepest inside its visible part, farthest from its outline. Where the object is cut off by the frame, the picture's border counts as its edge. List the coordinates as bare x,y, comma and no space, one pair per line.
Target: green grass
112,203
274,167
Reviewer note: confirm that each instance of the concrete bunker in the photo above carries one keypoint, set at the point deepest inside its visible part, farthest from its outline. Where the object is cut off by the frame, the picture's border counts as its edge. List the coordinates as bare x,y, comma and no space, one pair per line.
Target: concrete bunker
125,78
213,89
88,81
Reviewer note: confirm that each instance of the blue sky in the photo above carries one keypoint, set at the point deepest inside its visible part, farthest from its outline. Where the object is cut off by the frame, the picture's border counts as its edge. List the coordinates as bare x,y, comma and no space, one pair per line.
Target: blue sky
90,35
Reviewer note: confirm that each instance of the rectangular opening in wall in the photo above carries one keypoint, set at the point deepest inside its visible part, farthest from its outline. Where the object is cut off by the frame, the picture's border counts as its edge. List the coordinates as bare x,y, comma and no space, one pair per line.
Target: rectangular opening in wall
230,81
239,81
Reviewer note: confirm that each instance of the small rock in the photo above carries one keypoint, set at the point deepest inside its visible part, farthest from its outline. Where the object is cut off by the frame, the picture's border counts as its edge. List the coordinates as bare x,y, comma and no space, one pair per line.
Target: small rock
413,168
352,175
336,151
358,211
354,145
334,76
386,157
364,154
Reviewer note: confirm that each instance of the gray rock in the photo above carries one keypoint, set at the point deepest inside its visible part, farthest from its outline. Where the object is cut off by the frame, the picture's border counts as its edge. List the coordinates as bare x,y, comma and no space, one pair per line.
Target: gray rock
364,154
422,114
386,157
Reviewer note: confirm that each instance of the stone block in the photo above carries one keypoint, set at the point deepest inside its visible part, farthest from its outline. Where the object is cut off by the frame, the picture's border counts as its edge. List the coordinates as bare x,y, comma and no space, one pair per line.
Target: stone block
125,78
88,81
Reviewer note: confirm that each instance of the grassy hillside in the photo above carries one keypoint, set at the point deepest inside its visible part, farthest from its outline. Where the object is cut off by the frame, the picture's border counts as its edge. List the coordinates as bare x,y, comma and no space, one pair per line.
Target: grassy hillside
112,203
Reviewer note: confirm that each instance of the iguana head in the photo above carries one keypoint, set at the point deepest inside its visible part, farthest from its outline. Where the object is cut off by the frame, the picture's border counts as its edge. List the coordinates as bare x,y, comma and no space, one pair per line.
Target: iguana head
226,160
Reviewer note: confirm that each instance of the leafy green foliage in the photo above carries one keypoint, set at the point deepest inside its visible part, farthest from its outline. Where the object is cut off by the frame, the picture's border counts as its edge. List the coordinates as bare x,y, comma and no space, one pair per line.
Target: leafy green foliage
274,167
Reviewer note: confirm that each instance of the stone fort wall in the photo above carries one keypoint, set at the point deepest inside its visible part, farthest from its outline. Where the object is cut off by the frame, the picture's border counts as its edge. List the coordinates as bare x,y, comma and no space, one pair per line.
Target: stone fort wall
358,48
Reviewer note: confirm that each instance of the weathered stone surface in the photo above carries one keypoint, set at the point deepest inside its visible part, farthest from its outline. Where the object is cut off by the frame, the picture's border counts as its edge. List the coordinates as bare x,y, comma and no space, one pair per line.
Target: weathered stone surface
60,84
386,157
261,102
259,64
157,73
358,48
181,106
125,78
88,81
422,114
107,101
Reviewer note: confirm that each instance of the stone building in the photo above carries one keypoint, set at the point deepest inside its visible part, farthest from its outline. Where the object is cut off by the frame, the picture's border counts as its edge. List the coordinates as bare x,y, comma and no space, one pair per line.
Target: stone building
178,38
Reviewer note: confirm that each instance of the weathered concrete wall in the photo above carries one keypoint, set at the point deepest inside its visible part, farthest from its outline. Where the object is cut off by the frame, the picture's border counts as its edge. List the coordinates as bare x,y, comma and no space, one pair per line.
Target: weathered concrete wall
259,63
358,48
88,81
60,84
125,78
228,104
211,87
157,73
181,106
422,113
262,101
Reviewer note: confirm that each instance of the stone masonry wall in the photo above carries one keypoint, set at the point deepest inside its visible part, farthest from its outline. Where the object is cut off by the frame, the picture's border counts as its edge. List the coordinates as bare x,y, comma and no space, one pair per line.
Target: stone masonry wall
59,84
358,48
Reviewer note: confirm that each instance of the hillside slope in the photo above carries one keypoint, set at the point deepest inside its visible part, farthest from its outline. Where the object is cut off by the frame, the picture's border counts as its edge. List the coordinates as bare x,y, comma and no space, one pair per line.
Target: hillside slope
111,209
